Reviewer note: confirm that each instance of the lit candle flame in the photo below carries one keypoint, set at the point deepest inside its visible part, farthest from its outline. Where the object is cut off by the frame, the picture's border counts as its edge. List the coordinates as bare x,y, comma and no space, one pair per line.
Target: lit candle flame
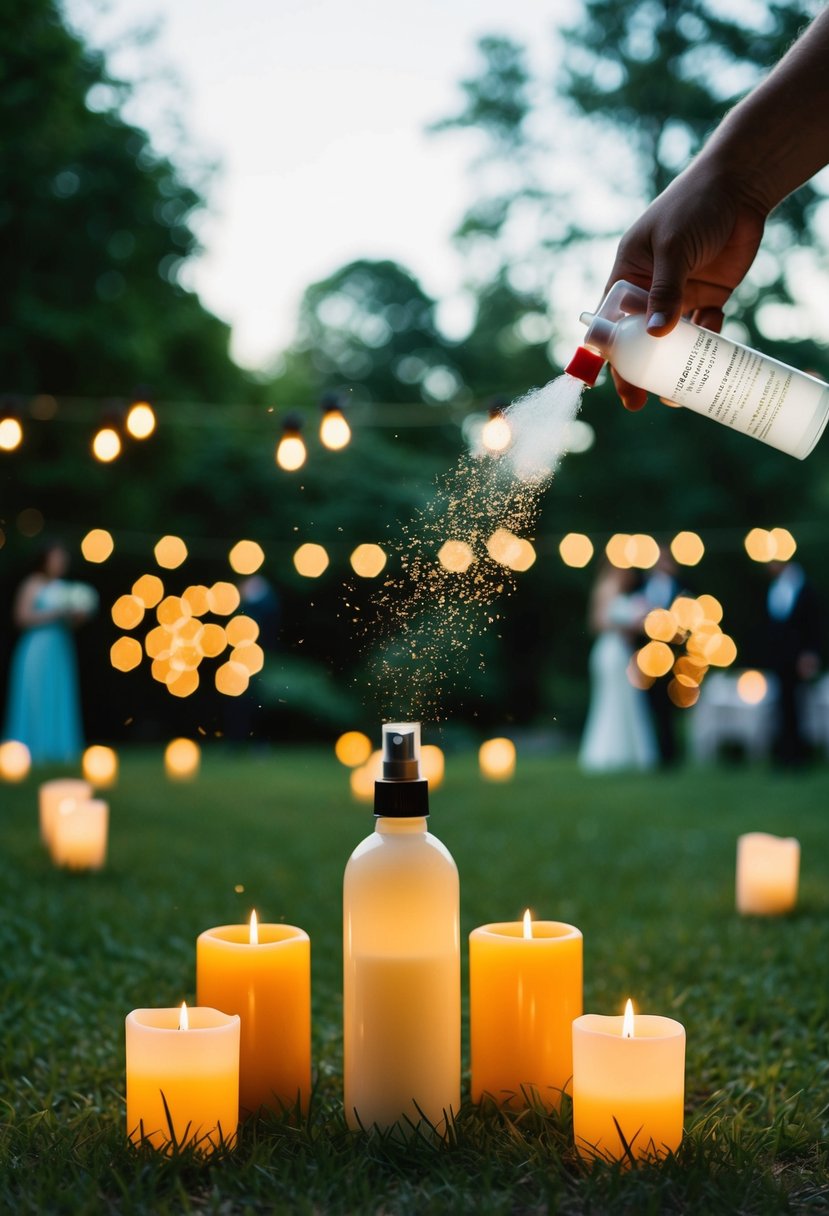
528,924
183,1019
254,929
627,1024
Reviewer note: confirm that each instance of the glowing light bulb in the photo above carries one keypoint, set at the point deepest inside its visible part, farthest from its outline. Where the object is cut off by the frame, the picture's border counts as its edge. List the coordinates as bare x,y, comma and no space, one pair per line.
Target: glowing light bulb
291,452
528,924
335,432
496,435
141,420
627,1024
106,446
11,434
254,929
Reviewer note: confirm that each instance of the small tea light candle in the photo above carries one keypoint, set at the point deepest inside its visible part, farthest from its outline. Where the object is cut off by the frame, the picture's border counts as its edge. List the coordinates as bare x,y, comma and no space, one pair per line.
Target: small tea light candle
50,796
187,1059
767,874
525,987
263,974
628,1085
79,834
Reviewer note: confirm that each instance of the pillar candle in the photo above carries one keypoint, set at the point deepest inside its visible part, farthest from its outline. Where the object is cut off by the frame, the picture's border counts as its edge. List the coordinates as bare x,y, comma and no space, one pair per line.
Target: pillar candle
525,992
51,794
636,1082
767,874
268,984
194,1070
79,834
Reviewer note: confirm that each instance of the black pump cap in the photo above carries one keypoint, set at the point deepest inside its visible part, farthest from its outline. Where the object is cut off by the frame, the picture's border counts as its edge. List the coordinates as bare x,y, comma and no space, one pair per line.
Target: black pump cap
401,792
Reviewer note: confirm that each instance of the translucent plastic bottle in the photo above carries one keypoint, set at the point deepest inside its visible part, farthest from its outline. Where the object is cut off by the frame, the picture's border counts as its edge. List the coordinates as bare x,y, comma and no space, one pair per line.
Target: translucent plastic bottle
401,957
704,372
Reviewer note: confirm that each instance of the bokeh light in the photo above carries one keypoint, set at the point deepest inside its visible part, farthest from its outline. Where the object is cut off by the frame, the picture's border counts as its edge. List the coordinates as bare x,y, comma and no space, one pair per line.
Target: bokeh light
432,765
687,612
182,684
752,687
246,557
760,545
683,695
106,445
510,550
496,759
126,654
635,675
182,758
687,548
655,659
11,434
241,629
711,608
353,748
172,612
197,599
232,679
367,561
149,589
618,551
785,545
310,560
100,766
15,760
723,653
141,420
290,451
361,779
97,545
661,625
223,598
170,552
496,433
456,556
127,611
213,640
575,549
250,655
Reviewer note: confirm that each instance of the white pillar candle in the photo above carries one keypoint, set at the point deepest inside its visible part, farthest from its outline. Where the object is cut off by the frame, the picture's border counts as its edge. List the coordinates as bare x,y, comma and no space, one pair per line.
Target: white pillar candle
51,794
79,834
767,874
182,1077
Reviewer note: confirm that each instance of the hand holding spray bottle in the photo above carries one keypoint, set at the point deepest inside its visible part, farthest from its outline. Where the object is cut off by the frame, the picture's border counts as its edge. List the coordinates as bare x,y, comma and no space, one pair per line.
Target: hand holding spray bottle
703,371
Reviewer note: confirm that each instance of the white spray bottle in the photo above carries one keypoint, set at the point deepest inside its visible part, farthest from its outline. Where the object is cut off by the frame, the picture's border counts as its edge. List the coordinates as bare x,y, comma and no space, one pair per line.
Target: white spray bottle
401,957
704,372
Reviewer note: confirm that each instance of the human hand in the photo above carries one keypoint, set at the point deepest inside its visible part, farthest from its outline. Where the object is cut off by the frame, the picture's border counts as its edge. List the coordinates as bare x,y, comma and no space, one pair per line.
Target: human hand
689,249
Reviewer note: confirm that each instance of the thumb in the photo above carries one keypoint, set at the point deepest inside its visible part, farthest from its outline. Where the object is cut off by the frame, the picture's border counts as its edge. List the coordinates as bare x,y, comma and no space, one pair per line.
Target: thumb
664,302
664,299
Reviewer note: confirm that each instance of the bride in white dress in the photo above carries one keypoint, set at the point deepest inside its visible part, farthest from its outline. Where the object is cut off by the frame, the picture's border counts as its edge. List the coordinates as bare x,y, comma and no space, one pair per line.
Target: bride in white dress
619,733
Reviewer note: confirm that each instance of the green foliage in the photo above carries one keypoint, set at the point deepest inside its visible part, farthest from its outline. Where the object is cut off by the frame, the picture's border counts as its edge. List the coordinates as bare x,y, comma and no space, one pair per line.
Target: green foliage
98,227
644,866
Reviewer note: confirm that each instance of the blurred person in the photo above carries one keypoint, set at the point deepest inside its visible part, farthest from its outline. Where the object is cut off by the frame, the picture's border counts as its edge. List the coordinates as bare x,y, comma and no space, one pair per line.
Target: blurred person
43,707
619,732
793,638
695,242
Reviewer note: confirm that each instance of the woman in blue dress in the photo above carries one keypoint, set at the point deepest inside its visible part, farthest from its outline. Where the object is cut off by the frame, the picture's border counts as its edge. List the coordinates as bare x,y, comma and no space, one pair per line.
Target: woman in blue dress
43,709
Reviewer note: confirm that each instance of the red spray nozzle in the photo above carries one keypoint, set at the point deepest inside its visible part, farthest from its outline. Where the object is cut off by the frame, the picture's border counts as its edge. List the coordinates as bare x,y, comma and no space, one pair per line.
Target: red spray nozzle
585,365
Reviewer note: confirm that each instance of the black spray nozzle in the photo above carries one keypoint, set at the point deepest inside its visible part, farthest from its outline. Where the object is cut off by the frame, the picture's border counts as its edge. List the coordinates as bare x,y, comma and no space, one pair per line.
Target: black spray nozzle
401,751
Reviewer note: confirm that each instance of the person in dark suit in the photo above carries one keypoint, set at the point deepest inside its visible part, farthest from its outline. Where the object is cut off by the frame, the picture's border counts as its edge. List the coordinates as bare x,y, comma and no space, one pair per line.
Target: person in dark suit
793,637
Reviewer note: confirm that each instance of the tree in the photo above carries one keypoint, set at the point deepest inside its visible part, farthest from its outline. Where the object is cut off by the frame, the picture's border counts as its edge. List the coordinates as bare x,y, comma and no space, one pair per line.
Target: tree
96,228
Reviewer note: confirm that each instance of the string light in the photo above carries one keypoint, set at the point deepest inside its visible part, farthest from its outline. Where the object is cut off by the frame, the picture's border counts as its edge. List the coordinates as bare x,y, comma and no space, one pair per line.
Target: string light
106,445
11,431
291,451
140,421
335,433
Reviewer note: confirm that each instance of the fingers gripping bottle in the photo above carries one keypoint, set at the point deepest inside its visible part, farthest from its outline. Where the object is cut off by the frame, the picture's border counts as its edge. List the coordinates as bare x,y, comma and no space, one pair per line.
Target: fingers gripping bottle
401,957
704,372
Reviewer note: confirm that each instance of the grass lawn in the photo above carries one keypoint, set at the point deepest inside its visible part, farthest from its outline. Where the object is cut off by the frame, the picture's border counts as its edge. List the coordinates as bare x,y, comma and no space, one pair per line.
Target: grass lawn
644,866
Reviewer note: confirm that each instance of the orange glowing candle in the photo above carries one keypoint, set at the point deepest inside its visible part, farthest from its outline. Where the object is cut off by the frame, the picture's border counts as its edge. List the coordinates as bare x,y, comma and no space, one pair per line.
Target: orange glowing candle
182,1078
768,868
263,973
628,1085
78,834
525,989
